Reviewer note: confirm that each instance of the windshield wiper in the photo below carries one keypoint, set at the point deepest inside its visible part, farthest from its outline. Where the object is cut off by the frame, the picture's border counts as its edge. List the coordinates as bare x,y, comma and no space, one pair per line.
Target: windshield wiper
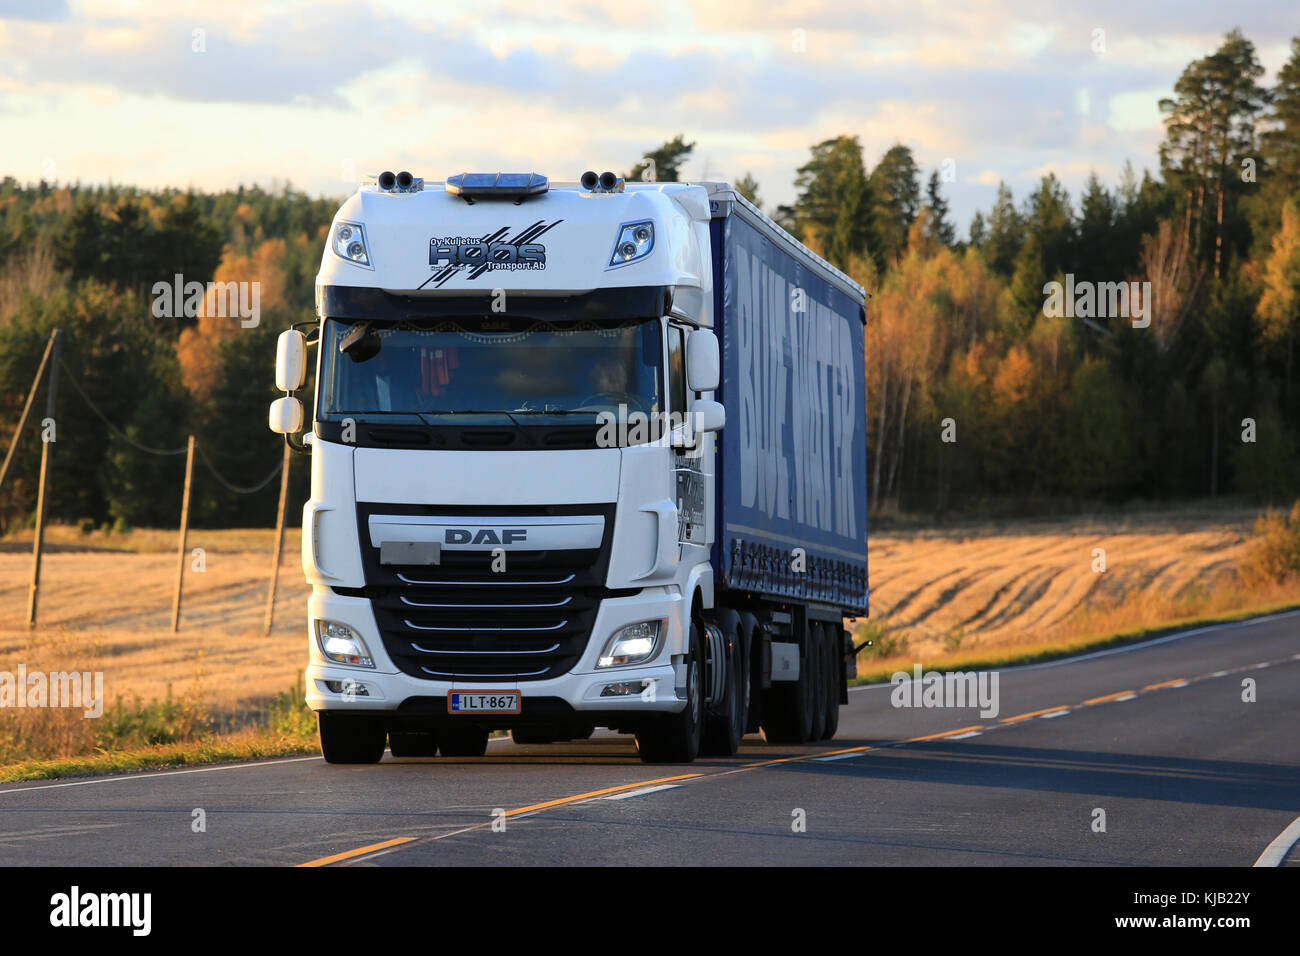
476,411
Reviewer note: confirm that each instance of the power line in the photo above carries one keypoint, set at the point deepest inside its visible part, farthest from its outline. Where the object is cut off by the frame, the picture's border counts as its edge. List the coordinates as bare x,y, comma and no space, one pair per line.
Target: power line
237,489
113,428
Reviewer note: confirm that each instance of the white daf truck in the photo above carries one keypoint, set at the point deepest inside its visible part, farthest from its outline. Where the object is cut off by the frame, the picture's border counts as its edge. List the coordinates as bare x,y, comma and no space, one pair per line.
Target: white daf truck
583,454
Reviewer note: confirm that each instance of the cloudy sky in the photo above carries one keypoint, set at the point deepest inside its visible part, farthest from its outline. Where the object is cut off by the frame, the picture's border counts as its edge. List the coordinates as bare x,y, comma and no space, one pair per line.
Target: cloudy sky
210,95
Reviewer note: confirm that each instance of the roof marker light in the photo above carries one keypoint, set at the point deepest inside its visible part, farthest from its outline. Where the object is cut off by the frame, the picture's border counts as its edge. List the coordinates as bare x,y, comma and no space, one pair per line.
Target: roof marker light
516,186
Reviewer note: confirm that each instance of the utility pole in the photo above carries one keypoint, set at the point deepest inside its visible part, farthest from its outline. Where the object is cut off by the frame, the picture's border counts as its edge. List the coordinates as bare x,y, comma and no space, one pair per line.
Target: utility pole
279,540
42,496
185,526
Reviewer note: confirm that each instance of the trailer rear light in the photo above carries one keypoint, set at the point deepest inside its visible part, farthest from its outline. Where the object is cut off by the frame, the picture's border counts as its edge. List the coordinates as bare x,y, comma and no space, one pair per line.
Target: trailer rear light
631,645
636,240
341,645
350,244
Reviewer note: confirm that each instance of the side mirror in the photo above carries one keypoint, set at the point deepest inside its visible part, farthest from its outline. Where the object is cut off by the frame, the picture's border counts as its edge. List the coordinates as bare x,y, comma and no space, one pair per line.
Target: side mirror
286,416
702,361
290,361
709,416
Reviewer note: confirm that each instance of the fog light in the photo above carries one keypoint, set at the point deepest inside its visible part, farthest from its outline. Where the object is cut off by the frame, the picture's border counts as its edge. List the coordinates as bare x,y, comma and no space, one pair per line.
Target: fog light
347,688
631,645
340,644
627,688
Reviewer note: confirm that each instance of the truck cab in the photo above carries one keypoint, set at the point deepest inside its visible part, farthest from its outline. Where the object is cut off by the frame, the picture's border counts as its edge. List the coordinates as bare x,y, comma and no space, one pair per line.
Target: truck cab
513,440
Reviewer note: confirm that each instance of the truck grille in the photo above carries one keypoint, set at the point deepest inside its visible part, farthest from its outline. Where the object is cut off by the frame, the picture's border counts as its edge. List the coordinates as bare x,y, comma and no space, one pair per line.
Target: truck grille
460,620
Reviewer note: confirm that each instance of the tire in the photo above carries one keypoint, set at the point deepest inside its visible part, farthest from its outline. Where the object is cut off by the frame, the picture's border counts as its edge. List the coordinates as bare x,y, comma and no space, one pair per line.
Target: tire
675,738
723,732
349,738
753,672
413,743
463,742
835,670
788,707
532,735
817,699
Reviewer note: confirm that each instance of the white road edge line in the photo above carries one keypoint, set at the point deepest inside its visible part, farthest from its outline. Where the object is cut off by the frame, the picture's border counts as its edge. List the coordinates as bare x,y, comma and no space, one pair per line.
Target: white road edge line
642,792
856,753
160,773
969,733
1056,713
1226,625
1276,851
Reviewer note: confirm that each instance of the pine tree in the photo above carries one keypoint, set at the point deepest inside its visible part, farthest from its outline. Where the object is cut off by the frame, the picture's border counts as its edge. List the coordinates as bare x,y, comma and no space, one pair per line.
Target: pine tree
941,229
895,183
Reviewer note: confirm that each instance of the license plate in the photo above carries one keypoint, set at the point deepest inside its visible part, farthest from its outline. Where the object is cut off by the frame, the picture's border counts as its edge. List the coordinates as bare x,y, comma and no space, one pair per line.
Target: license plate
483,702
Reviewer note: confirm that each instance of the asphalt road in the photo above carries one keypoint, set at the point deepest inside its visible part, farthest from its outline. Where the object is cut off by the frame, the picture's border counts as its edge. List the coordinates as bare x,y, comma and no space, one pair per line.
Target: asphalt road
1157,737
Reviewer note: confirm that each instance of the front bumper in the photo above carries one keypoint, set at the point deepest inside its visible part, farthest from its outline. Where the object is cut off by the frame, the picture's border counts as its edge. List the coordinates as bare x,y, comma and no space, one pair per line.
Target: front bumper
385,689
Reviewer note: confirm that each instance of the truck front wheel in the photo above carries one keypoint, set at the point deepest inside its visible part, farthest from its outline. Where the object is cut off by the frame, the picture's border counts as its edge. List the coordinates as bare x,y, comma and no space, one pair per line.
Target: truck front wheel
349,738
675,738
723,731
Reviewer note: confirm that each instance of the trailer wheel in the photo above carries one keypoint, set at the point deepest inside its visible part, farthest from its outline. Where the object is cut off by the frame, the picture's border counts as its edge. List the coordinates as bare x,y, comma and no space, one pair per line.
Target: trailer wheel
753,672
675,738
413,743
350,738
788,705
817,697
835,676
463,742
723,731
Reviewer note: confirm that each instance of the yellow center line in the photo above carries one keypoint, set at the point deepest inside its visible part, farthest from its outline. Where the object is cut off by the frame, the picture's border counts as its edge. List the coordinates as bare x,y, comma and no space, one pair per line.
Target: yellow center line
946,733
349,854
1169,683
375,847
1098,700
597,793
1034,713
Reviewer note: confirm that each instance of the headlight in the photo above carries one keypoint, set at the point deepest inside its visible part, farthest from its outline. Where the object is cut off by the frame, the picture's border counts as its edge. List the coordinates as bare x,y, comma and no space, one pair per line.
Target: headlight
635,241
350,244
340,644
631,645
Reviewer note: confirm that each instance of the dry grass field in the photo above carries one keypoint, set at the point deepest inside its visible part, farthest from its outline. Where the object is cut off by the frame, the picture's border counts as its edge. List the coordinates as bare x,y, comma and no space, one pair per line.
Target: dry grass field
106,598
1008,585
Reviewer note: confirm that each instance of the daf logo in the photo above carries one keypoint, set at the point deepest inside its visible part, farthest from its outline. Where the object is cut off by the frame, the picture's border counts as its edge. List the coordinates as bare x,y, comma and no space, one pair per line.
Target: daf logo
485,536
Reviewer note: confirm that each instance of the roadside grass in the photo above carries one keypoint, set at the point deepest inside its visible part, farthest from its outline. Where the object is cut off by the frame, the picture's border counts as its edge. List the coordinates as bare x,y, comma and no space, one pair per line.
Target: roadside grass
49,742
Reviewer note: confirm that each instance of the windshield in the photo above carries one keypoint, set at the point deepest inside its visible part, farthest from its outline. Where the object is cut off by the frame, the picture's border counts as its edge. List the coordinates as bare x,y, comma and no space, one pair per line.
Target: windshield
481,365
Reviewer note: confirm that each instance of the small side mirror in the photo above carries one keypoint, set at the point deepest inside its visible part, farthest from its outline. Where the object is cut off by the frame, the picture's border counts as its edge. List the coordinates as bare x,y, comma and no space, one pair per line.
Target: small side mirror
286,416
290,361
702,362
709,416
